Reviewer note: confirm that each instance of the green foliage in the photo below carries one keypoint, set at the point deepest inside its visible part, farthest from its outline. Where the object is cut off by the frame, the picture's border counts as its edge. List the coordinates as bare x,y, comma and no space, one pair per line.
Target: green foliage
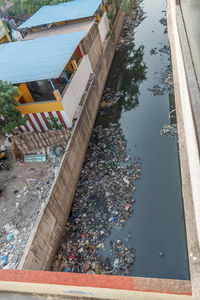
54,123
30,6
127,4
3,2
12,118
110,14
116,4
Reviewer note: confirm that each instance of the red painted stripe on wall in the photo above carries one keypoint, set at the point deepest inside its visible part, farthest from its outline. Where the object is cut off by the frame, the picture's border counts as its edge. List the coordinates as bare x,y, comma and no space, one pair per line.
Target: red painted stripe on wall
45,120
38,122
27,128
61,118
79,51
32,124
50,114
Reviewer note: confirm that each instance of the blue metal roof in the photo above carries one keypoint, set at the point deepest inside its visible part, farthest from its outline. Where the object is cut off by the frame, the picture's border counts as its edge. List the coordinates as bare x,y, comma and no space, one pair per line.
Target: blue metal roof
37,59
71,10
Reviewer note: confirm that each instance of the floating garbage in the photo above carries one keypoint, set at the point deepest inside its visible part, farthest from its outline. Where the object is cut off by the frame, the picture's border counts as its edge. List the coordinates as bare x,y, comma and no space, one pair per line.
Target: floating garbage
161,253
103,200
170,130
153,51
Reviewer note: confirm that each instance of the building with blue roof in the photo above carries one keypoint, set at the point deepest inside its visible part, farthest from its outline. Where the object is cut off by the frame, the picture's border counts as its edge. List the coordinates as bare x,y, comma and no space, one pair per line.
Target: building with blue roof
67,11
72,16
37,59
51,74
53,64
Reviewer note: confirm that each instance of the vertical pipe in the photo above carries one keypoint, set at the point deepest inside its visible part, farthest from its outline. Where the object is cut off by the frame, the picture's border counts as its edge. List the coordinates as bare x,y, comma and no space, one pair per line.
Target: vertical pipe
66,76
52,85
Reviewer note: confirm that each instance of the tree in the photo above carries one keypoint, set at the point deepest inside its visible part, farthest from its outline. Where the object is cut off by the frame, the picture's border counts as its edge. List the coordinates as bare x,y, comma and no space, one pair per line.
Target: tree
116,4
10,117
30,6
3,3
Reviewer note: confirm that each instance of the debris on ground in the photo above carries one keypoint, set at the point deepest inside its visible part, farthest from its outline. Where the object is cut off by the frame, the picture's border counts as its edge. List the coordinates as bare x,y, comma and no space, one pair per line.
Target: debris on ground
32,143
24,191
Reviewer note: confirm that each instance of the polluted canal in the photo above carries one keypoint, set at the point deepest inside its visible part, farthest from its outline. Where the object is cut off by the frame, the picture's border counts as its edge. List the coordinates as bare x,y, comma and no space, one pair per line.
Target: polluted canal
127,216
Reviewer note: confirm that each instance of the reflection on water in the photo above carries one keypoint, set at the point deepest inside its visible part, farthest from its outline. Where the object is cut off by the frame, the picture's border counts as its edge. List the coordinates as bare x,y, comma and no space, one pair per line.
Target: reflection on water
130,71
127,72
157,225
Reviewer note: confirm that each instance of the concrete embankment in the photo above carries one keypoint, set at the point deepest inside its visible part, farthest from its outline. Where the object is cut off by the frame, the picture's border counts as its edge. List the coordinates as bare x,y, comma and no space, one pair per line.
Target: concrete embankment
45,237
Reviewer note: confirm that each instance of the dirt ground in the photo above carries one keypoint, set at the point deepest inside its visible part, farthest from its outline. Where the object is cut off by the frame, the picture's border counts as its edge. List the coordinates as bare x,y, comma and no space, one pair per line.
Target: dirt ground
23,191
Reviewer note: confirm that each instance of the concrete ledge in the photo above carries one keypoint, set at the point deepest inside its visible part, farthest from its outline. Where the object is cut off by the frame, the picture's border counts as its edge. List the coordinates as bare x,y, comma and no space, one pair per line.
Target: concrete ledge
64,285
47,232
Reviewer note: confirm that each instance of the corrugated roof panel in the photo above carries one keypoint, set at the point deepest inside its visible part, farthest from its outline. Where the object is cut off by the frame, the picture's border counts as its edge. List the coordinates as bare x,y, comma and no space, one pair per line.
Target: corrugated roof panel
37,59
71,10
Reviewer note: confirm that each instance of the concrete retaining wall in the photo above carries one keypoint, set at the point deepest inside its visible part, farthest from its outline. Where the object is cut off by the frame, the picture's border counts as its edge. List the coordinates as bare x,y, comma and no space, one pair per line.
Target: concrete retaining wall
76,88
47,232
92,45
104,27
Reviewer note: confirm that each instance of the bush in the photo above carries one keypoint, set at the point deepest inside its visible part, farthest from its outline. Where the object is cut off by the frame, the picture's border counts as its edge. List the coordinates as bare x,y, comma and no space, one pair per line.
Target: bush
10,117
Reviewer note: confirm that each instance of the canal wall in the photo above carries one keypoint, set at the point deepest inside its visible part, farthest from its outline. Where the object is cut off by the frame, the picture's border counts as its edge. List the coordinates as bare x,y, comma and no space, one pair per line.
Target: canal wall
92,46
48,229
183,74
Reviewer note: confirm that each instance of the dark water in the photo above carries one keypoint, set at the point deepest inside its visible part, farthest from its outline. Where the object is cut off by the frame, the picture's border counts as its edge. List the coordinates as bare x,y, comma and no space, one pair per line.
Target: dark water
158,220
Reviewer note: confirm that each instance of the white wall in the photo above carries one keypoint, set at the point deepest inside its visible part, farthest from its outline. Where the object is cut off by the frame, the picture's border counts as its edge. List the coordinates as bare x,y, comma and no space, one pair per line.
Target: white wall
76,88
104,27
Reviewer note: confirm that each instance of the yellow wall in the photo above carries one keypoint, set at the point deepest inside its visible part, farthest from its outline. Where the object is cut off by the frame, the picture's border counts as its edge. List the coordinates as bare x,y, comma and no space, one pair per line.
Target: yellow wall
69,67
39,107
4,38
24,91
